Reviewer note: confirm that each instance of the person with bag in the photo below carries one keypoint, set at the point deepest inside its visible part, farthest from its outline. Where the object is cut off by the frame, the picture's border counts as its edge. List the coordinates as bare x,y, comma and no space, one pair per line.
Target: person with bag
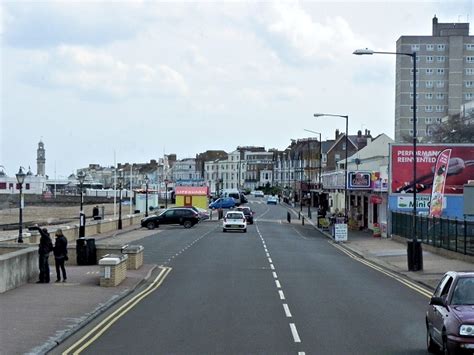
60,255
44,248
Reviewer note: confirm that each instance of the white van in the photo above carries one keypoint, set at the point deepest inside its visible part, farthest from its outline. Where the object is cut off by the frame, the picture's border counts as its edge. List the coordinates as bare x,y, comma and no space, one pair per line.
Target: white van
234,193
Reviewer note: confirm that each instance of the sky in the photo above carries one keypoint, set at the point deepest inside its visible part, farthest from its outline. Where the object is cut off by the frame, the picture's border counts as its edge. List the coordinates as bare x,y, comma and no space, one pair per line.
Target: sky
128,81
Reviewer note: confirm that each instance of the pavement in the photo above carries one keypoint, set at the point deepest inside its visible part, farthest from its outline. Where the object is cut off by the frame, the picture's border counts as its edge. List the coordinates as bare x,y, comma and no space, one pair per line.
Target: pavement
34,318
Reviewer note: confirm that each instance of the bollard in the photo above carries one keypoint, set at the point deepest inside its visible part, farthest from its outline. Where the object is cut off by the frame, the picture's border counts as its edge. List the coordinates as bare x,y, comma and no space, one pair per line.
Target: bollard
288,217
302,221
299,215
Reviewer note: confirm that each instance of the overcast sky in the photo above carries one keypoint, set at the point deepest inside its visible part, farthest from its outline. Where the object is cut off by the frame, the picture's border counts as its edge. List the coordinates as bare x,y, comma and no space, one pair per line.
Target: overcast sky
143,78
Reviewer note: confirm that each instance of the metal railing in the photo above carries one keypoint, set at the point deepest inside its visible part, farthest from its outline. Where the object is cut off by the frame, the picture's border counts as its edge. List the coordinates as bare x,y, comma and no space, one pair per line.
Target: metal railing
452,234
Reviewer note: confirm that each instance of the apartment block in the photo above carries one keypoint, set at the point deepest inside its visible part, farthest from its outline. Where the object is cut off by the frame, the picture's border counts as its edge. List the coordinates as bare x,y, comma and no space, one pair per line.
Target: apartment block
444,80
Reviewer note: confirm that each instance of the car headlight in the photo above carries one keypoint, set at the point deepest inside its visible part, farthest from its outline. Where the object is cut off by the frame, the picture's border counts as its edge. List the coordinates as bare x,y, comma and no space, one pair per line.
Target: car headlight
466,329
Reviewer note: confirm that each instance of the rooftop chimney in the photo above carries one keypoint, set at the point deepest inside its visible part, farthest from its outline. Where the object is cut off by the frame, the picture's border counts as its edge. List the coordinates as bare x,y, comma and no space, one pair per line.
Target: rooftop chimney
359,133
337,134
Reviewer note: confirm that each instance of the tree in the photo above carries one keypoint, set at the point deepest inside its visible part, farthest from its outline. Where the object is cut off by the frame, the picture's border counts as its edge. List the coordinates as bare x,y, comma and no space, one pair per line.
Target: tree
454,130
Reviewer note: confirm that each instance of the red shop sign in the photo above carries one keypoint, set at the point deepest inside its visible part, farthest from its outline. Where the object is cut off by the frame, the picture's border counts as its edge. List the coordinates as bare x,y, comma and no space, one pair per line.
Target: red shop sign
375,199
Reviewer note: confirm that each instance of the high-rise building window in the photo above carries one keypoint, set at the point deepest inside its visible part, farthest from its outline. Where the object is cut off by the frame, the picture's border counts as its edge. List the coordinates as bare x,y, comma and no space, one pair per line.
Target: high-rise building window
469,71
441,47
469,59
417,71
439,96
415,47
429,96
429,84
428,108
411,95
439,108
440,84
440,71
429,59
429,71
440,58
411,109
468,96
417,83
470,47
430,47
417,59
411,120
469,83
438,119
428,120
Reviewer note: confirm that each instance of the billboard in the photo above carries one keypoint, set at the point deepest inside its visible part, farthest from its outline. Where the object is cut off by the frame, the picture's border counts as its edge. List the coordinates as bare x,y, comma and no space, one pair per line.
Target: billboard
460,168
359,180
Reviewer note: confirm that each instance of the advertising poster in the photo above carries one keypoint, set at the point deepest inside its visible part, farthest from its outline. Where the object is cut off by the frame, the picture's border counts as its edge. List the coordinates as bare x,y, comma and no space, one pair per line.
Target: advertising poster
439,180
460,168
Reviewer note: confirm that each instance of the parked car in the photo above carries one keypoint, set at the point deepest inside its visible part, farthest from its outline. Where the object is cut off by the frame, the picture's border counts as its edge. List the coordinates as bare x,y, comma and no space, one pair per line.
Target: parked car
243,199
248,213
258,193
272,200
234,220
203,214
223,202
450,314
186,217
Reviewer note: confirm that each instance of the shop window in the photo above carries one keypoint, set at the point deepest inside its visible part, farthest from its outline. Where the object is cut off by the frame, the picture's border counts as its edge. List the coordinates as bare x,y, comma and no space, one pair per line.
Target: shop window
27,186
3,185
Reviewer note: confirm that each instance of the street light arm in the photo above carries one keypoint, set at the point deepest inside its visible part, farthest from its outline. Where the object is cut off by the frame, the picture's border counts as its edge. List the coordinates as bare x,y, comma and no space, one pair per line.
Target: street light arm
330,115
367,51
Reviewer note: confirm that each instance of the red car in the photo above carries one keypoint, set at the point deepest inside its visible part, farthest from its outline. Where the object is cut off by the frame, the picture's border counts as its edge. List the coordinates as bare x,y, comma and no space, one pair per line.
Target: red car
450,315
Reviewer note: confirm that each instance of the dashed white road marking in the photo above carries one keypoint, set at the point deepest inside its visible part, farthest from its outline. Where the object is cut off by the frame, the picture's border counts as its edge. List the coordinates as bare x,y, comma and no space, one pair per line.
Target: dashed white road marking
275,275
277,283
294,332
270,260
272,267
282,295
287,310
268,255
301,353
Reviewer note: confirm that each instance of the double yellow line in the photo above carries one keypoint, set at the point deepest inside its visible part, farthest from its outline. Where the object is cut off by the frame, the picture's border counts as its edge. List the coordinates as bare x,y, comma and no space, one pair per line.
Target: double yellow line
410,284
99,329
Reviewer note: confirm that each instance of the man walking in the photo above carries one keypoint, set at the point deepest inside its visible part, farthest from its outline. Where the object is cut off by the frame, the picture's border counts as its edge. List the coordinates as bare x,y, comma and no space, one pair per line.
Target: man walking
45,247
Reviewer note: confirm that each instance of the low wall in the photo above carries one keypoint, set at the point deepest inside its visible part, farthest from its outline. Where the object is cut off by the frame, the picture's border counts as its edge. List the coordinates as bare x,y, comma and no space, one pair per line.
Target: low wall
71,232
18,265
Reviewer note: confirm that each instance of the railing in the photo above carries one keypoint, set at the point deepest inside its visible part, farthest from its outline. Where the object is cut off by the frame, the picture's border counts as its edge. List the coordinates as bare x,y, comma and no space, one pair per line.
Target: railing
452,234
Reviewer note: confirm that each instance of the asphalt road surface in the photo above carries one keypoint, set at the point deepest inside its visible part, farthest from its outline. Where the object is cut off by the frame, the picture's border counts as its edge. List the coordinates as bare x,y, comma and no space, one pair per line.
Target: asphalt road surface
278,289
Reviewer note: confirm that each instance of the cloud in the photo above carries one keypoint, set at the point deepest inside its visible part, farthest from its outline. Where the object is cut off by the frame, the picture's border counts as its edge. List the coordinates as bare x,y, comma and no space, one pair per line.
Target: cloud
92,72
297,38
48,24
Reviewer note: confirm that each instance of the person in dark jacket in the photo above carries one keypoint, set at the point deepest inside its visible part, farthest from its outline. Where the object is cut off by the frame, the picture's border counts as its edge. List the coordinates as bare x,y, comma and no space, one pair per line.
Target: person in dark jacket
60,255
44,248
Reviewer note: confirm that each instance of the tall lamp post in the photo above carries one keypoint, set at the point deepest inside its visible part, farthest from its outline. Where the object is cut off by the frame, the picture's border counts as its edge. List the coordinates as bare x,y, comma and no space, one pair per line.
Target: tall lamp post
82,217
320,166
166,193
146,195
345,163
120,186
20,177
415,254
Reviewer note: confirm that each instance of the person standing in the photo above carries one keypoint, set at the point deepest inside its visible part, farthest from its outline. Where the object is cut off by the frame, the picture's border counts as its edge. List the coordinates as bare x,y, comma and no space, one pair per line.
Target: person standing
60,255
44,248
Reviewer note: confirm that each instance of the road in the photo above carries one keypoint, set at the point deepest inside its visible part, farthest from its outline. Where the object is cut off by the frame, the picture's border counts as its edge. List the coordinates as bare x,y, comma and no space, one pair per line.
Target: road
278,289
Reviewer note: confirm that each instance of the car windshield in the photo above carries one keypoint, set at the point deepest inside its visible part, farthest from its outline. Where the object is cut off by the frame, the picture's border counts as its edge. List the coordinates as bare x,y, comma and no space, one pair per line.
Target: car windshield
464,292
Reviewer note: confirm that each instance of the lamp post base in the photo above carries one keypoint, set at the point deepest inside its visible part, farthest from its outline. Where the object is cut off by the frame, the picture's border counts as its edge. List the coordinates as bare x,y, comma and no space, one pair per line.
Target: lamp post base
414,255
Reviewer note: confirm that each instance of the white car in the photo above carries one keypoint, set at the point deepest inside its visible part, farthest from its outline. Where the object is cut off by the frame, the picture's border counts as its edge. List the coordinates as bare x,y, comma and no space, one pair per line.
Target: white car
257,193
234,220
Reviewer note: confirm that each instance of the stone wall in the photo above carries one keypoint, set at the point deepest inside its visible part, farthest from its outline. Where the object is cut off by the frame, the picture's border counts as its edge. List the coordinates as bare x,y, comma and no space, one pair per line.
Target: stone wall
18,265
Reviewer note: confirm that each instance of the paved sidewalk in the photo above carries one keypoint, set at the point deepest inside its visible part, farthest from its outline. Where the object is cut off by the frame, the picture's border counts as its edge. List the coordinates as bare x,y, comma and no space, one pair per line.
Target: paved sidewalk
392,254
34,317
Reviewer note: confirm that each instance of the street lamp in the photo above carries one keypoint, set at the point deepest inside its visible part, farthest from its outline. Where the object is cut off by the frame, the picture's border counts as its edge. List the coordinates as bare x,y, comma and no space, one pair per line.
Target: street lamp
320,167
20,177
146,195
166,193
415,255
120,185
82,217
345,164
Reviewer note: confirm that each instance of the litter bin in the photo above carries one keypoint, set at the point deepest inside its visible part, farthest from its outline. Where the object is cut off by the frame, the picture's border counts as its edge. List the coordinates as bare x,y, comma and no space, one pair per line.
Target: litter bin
414,255
86,251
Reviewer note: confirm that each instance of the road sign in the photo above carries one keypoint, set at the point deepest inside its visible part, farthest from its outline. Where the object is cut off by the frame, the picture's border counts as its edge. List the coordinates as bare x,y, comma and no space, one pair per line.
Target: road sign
340,232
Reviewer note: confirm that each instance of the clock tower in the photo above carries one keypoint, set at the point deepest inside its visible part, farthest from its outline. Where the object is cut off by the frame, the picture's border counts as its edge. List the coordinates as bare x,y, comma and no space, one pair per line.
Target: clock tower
40,159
